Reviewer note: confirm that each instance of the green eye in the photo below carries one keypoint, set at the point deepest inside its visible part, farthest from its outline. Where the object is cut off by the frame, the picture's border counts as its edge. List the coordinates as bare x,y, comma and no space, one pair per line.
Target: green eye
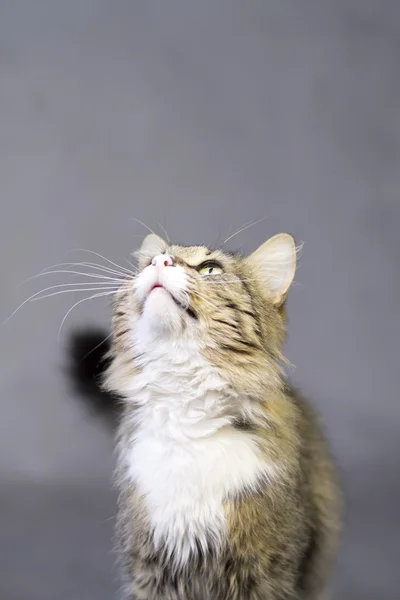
210,268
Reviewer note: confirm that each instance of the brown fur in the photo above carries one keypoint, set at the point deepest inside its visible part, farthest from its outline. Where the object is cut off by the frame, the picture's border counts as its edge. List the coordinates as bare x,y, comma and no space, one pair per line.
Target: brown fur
282,537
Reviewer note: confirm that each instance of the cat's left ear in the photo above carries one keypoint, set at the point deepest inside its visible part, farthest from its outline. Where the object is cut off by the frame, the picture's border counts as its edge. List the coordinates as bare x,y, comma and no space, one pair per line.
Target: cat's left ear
275,262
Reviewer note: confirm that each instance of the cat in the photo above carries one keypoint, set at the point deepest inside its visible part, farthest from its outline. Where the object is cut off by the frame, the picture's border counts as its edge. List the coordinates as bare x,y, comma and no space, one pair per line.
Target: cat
227,490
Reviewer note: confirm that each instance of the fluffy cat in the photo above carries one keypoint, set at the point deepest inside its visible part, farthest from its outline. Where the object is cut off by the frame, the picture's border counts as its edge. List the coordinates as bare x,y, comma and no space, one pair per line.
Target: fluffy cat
227,488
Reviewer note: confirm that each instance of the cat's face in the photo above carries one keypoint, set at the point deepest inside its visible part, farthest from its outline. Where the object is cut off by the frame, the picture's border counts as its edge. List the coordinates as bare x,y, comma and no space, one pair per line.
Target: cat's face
231,305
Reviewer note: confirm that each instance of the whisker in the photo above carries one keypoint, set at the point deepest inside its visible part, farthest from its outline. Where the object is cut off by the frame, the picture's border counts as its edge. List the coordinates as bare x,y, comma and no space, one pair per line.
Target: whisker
144,225
99,295
243,228
132,265
263,279
74,284
165,231
98,346
52,287
105,284
75,290
232,281
103,257
229,232
196,293
94,275
86,264
48,270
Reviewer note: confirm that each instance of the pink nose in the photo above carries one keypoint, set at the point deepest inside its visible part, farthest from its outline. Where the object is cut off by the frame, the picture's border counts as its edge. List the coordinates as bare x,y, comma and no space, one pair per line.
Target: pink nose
163,260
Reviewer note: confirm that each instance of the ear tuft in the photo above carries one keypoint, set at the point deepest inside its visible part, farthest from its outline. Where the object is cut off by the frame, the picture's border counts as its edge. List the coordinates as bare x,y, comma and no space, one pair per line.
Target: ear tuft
151,246
275,261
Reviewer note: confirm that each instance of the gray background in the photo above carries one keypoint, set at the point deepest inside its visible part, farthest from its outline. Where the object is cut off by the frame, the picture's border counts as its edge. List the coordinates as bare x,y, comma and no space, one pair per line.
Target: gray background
203,116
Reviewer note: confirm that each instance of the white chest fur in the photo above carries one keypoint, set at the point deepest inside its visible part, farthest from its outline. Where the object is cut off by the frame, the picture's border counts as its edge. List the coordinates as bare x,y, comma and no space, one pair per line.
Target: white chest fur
185,457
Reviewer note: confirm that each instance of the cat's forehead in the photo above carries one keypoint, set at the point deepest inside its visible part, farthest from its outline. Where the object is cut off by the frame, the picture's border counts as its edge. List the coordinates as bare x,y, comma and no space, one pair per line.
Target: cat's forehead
195,255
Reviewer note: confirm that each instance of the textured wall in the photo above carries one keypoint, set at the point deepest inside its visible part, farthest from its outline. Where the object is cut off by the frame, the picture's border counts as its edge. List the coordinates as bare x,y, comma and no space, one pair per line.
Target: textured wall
202,116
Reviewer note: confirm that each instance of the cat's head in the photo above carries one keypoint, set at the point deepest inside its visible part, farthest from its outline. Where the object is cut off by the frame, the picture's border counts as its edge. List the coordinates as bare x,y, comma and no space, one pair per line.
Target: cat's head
230,306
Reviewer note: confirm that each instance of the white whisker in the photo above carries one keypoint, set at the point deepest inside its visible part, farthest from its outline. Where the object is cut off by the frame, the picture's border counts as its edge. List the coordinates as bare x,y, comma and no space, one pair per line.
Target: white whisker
206,300
103,257
233,281
84,283
98,345
49,270
95,289
86,264
243,228
261,280
99,295
94,275
132,265
165,231
144,225
52,287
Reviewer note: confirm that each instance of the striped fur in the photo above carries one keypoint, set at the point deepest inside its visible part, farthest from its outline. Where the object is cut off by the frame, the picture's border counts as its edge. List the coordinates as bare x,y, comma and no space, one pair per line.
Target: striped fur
227,488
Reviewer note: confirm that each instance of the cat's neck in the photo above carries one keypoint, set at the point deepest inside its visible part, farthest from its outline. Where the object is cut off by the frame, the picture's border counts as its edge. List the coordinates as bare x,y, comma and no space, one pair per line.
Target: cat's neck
178,393
184,454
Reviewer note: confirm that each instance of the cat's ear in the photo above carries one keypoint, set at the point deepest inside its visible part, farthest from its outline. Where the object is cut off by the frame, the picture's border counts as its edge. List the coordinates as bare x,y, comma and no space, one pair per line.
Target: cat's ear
275,262
151,246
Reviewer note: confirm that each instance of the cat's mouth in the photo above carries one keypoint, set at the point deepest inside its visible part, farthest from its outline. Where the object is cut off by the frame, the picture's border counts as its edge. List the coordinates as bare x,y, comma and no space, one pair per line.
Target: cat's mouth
184,307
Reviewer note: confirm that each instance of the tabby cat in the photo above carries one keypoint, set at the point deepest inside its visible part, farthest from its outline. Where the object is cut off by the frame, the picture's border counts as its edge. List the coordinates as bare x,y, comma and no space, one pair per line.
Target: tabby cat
227,488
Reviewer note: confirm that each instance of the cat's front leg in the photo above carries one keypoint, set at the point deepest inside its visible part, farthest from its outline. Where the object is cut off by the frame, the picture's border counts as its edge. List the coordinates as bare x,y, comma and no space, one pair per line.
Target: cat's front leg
150,580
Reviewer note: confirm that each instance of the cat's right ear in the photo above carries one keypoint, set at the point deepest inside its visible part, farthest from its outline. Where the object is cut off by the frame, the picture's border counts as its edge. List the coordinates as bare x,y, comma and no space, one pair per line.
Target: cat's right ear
275,261
151,246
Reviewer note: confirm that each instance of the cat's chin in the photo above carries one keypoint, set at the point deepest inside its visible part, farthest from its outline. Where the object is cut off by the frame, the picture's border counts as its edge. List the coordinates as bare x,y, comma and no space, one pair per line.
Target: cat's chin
161,313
